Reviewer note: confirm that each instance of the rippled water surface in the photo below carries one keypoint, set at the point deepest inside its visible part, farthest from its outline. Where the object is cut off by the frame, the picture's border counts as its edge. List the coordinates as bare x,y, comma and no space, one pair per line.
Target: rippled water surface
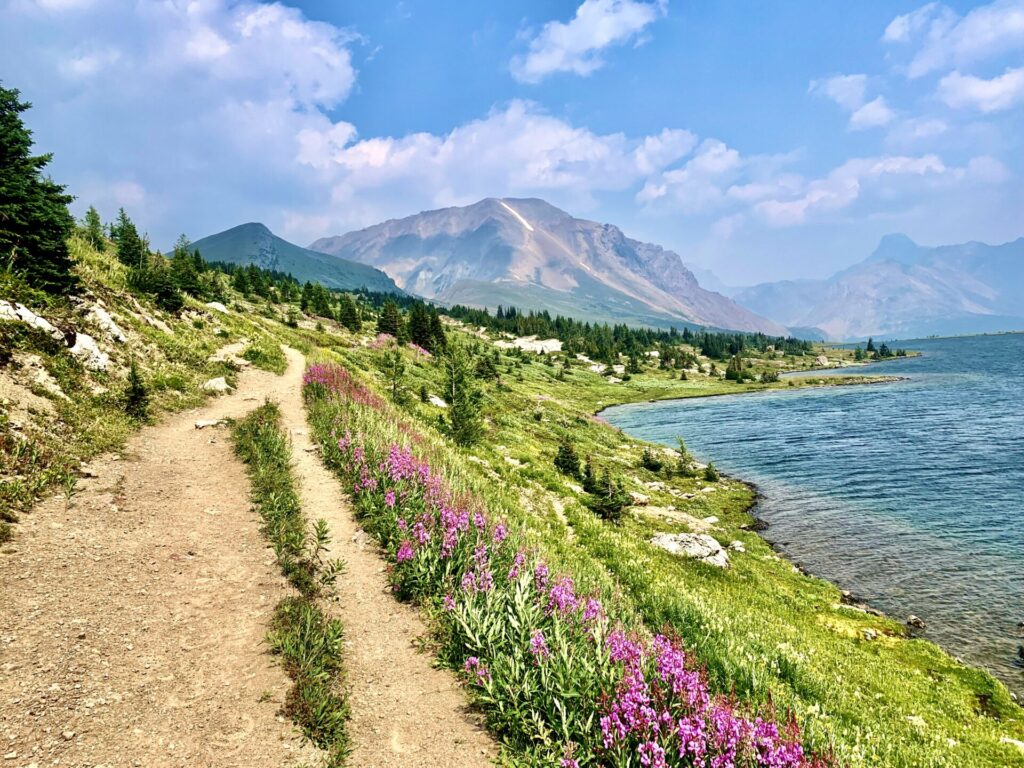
909,494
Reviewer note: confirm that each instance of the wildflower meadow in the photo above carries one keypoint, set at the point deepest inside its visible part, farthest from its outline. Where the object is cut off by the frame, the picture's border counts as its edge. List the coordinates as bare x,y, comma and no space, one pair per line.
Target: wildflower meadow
564,677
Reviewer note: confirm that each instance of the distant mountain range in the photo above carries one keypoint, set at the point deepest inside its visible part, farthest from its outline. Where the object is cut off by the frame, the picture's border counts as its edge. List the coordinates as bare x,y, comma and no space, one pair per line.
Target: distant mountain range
904,290
255,244
530,254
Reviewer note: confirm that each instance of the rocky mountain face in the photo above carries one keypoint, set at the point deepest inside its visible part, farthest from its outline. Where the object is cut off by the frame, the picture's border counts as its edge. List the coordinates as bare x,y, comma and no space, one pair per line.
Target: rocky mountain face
527,253
905,290
255,244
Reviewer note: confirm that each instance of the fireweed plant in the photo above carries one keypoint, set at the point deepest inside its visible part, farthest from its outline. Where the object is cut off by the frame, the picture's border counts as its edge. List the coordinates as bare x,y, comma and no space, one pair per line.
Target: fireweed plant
562,675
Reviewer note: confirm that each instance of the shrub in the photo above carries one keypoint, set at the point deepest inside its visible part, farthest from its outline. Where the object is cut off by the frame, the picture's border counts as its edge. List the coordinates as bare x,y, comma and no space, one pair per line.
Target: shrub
650,461
710,473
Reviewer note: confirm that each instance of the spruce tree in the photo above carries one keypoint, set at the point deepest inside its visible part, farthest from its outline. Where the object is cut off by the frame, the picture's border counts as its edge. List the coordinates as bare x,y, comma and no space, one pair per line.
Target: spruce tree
34,220
390,319
183,267
566,460
437,333
419,326
131,249
92,229
348,315
465,422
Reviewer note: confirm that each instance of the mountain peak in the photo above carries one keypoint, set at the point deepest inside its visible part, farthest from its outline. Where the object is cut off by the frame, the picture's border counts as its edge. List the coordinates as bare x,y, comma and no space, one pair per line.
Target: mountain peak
897,247
526,252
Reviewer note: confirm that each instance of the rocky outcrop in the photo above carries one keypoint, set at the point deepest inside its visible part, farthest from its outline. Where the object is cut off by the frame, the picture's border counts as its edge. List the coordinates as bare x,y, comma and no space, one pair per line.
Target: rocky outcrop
19,313
88,353
698,546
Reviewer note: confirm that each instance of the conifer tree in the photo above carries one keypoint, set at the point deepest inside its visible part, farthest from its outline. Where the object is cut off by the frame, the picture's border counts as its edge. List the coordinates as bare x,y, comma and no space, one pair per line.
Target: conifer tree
348,315
34,220
465,422
437,331
390,320
92,229
131,249
419,326
183,267
566,460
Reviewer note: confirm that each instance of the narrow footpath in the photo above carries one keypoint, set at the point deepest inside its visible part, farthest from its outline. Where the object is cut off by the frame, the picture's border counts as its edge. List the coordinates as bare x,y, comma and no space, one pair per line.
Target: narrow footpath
132,618
405,712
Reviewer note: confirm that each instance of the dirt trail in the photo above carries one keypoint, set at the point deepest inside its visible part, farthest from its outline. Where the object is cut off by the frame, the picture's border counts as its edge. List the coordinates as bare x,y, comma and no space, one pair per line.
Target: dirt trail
132,622
404,711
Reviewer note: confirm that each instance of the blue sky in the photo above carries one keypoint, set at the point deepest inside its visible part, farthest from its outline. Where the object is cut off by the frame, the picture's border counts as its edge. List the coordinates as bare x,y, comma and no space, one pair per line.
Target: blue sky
762,141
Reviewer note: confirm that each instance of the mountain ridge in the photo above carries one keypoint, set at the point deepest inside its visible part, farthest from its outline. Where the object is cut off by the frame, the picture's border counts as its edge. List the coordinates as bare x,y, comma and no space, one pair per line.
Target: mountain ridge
593,270
254,243
904,289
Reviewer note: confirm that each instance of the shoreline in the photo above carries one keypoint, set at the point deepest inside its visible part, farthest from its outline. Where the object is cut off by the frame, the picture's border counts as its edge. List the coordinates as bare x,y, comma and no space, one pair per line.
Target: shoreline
760,525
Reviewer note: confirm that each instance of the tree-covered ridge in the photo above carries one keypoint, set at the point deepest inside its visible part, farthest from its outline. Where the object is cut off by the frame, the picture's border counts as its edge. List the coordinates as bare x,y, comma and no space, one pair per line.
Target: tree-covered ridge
604,342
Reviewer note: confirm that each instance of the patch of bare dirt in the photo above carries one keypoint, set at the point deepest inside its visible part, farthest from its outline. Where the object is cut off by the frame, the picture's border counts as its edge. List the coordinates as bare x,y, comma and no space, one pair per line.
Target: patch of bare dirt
132,619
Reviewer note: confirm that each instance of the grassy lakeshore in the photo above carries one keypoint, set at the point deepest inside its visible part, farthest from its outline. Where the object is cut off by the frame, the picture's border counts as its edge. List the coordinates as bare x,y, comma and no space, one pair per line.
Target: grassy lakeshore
860,687
767,635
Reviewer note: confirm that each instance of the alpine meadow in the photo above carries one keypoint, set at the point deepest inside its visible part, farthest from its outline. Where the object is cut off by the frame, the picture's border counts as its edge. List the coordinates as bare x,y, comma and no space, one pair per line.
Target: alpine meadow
406,455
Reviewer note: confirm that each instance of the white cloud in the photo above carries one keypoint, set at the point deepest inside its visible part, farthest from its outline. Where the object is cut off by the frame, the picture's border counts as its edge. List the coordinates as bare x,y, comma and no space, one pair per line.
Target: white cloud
700,184
946,38
872,115
893,176
995,95
517,149
915,129
576,46
850,93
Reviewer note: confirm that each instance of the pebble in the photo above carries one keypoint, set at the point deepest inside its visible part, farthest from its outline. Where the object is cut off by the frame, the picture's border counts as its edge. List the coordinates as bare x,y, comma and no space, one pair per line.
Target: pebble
68,735
914,621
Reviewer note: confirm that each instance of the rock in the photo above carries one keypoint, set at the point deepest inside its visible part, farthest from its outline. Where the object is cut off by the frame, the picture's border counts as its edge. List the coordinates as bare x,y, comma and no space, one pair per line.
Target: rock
204,423
89,354
68,735
710,520
35,373
639,499
19,313
437,401
614,380
699,546
216,306
737,546
219,385
914,621
821,361
1013,742
870,634
102,319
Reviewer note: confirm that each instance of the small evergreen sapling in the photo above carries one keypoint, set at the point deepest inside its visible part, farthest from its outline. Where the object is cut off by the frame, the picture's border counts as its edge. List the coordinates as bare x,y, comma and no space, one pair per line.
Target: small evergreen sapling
136,395
566,460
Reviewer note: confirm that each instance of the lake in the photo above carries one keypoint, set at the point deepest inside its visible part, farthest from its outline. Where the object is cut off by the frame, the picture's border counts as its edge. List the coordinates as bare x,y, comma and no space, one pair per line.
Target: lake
909,494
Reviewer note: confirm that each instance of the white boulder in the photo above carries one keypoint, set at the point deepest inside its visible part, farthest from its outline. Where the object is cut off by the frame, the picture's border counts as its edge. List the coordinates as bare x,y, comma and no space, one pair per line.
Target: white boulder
22,314
437,401
216,306
699,546
89,354
102,320
218,386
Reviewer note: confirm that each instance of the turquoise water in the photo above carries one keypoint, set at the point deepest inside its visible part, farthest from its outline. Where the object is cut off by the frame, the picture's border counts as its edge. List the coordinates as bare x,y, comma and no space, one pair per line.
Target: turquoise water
909,494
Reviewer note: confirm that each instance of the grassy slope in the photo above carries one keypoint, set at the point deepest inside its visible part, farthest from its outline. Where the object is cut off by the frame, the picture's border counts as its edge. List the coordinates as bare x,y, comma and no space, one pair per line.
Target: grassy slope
763,629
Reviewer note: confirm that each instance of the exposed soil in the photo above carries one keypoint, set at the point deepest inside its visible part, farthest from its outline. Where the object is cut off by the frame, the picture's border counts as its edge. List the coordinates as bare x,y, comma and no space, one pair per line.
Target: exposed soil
405,712
132,619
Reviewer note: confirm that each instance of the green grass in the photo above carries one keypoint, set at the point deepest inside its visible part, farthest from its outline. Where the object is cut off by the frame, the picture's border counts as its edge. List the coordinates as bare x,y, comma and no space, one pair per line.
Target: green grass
308,642
764,631
266,354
